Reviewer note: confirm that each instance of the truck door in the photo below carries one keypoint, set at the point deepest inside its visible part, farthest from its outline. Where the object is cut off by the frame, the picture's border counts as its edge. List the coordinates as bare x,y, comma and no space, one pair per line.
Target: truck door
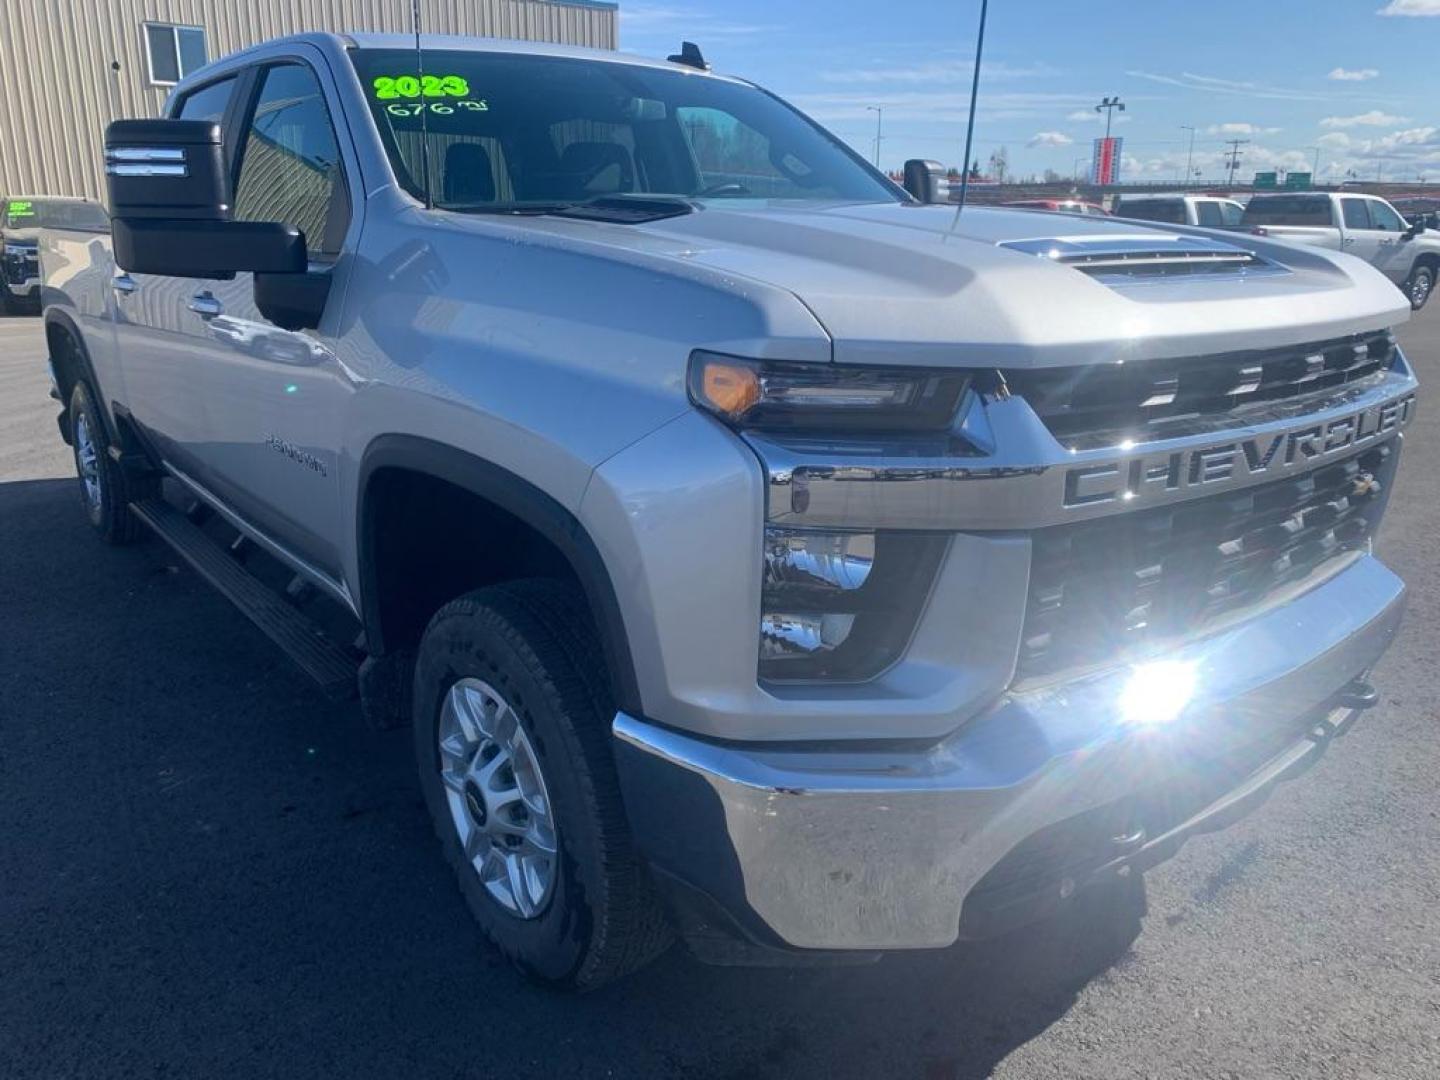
1361,238
274,397
1393,255
155,349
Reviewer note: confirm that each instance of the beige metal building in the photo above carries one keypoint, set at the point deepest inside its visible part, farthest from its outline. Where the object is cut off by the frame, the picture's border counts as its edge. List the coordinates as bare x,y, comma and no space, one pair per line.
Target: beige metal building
69,67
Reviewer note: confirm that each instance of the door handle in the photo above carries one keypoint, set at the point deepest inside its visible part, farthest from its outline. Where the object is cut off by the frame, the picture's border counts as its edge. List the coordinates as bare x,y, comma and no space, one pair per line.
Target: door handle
124,284
206,306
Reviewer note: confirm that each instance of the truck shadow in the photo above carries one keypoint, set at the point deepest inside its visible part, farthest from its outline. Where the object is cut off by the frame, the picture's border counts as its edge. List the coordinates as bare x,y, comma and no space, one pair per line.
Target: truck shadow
226,874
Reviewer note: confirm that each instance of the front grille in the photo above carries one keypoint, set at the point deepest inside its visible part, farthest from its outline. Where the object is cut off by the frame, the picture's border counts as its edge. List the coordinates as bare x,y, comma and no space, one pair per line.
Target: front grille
1116,587
1143,400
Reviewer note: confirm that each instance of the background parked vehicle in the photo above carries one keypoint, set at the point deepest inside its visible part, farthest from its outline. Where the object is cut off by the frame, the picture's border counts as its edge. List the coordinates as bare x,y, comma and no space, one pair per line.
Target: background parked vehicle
1063,206
1204,211
1421,210
1362,225
21,219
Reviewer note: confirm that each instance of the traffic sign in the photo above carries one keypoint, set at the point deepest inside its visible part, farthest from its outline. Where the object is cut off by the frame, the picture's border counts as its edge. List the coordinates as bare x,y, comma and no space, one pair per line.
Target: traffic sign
1298,181
1266,179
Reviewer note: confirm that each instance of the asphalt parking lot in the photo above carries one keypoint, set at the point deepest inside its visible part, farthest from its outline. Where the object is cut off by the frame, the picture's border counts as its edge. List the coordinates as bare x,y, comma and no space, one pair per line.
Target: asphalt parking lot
207,870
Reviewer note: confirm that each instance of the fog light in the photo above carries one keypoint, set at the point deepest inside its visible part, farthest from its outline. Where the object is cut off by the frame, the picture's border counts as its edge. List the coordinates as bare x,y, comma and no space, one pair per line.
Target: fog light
841,605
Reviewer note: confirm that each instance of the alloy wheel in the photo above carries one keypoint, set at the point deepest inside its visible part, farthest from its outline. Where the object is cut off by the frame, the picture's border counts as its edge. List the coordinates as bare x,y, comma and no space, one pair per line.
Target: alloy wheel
88,459
497,797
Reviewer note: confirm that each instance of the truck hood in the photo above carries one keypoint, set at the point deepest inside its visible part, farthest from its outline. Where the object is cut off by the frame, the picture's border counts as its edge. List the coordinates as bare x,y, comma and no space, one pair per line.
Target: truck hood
904,284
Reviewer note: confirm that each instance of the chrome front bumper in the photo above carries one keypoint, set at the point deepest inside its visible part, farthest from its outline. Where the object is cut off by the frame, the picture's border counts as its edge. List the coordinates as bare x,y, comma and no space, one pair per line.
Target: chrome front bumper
877,849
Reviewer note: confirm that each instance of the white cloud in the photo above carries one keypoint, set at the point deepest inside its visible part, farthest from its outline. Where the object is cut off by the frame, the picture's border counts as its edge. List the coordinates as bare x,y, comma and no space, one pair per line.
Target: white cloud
1240,129
1335,140
1090,116
932,107
1411,7
938,72
1049,138
1341,74
1212,85
658,21
1373,118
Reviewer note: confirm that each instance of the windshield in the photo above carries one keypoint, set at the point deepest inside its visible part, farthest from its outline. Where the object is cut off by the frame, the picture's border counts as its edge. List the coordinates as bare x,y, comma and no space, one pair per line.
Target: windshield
45,214
510,131
1312,210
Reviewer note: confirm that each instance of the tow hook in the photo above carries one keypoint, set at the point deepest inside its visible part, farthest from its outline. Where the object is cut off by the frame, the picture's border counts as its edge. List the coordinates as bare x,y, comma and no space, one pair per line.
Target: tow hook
1359,694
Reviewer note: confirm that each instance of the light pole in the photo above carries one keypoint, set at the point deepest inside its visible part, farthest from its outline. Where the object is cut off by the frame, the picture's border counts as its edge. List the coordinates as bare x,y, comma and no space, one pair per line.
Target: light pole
1189,157
1076,167
879,111
1234,156
1108,106
1315,169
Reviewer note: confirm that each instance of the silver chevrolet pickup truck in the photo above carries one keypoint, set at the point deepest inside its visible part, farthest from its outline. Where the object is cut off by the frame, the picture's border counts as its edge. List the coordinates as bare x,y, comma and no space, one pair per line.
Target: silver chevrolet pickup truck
761,554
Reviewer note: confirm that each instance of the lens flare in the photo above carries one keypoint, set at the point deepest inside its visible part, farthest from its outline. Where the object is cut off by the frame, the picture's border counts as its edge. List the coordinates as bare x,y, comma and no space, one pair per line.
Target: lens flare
1157,692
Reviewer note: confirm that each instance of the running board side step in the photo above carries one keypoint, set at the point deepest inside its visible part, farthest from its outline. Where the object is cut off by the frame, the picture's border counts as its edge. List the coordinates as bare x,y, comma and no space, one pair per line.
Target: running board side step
298,637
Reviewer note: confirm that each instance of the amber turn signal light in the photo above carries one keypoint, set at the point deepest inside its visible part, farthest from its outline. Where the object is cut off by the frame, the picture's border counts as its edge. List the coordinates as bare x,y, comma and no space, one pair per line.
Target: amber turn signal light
729,389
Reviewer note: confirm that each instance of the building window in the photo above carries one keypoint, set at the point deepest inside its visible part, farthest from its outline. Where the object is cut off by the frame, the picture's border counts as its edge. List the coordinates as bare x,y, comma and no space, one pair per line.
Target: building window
173,52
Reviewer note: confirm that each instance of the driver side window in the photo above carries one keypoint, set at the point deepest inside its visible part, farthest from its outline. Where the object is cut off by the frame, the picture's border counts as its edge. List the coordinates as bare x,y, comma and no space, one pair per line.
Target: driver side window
731,155
290,170
1384,218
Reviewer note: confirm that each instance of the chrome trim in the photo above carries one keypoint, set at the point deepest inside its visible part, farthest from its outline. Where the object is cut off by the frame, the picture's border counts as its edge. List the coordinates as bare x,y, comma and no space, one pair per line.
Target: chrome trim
1029,480
336,589
144,153
147,170
205,305
877,849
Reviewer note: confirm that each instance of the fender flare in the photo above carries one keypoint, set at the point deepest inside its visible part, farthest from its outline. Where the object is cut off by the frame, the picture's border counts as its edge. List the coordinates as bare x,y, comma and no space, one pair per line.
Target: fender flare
517,497
67,325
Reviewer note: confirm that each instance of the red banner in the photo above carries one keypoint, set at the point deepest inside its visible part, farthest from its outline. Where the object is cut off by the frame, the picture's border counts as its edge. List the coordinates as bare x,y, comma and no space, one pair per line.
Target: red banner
1105,161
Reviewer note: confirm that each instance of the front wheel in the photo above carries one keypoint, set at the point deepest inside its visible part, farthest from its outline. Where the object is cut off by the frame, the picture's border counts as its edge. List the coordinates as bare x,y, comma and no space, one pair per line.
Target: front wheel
1420,285
512,726
106,489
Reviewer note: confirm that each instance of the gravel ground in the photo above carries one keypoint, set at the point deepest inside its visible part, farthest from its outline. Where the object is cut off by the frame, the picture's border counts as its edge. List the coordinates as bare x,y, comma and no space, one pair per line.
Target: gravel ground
207,870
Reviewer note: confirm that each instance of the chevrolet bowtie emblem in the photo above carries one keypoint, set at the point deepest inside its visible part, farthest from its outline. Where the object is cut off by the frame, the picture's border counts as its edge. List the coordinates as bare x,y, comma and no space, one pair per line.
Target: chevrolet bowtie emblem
1366,484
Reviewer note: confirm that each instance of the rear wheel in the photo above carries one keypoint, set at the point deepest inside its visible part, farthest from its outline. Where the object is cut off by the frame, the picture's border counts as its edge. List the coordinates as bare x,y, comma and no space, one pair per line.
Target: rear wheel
1420,285
106,489
512,718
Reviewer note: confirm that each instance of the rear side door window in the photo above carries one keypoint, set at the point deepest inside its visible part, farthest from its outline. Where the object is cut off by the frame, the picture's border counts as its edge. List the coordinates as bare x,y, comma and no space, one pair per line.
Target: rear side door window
290,167
1207,213
1357,213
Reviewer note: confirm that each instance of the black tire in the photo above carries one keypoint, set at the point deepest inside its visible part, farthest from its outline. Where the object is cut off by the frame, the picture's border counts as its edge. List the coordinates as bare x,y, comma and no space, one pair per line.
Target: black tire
109,512
1420,285
534,643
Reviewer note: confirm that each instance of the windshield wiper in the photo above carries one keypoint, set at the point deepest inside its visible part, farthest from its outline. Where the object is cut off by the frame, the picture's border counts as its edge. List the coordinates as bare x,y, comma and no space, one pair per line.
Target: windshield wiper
619,209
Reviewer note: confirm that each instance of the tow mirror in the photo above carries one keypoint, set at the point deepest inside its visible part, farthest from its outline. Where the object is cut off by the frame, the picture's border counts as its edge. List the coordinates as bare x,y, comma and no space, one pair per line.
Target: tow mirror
170,206
925,180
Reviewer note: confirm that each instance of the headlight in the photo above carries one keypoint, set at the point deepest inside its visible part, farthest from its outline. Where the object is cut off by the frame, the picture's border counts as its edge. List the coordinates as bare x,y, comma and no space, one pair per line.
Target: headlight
841,605
825,397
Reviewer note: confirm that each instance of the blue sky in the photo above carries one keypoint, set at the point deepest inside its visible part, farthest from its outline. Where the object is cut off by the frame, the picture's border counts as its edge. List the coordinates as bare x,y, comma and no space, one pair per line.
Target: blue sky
1357,79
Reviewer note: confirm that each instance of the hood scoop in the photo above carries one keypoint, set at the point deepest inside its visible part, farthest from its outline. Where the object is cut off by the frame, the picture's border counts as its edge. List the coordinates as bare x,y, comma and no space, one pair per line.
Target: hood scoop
1131,260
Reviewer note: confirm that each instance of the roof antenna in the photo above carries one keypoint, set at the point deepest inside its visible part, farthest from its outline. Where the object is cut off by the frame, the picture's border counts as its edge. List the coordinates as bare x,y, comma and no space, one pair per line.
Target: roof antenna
970,128
690,56
424,107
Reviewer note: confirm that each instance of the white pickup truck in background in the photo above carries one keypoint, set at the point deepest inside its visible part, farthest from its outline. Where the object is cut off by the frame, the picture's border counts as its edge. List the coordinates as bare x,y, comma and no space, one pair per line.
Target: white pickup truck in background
1362,225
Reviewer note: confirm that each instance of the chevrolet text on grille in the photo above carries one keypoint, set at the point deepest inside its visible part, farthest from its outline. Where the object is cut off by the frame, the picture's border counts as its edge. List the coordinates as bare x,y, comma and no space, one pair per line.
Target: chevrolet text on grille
1132,478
